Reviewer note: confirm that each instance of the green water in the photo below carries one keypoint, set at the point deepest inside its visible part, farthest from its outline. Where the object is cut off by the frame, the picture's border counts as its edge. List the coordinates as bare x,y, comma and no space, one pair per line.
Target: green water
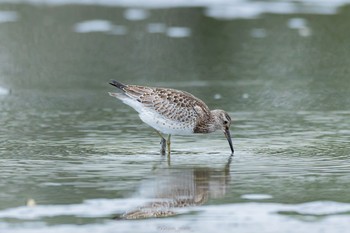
85,158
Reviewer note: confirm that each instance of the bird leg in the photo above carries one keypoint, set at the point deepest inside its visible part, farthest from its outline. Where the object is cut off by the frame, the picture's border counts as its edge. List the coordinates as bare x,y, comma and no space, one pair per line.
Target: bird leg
162,147
168,144
162,143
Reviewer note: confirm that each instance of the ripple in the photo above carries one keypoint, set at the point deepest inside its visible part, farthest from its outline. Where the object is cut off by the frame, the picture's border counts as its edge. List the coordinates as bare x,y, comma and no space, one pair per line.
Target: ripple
156,28
258,33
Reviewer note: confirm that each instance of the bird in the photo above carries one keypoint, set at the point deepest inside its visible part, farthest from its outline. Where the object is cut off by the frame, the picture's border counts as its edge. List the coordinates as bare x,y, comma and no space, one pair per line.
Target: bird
173,112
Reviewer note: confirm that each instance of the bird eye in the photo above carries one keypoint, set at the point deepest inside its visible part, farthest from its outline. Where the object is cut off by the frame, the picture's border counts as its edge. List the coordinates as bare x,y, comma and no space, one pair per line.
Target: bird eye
225,122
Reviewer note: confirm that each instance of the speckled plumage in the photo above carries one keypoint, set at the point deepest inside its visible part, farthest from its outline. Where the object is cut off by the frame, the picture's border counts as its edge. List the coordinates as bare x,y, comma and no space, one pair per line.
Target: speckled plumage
171,111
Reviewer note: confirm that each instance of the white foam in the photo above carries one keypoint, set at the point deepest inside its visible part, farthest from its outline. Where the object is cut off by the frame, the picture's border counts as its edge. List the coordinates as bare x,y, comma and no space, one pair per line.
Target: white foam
296,23
8,16
245,96
300,25
89,208
245,217
4,91
96,25
256,196
178,32
217,96
136,14
221,9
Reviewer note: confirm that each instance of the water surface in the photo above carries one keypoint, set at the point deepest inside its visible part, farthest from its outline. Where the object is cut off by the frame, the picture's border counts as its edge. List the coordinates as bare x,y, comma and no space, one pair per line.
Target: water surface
88,161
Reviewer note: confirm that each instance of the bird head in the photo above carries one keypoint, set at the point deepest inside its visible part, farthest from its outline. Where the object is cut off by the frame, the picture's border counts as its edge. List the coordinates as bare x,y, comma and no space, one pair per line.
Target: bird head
222,121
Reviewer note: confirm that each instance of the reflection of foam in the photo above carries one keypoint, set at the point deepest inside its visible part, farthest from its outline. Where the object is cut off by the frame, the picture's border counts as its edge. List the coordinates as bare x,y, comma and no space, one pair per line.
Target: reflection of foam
258,32
8,16
156,28
4,91
136,14
256,196
178,32
119,30
221,9
106,26
93,26
175,32
99,25
217,96
300,25
296,23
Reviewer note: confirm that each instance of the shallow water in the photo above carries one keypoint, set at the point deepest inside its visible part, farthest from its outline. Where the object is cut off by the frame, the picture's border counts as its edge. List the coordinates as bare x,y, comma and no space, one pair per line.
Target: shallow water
90,164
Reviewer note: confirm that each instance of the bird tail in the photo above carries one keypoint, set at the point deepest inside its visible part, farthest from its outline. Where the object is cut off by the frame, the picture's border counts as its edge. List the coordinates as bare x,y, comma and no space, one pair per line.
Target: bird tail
118,85
117,95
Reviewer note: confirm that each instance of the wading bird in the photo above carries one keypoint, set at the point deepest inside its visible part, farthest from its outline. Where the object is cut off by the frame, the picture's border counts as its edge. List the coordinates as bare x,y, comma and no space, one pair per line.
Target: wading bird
173,112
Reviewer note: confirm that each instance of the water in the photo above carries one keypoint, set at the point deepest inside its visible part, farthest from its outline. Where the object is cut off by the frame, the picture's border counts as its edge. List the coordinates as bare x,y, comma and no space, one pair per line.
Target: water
89,163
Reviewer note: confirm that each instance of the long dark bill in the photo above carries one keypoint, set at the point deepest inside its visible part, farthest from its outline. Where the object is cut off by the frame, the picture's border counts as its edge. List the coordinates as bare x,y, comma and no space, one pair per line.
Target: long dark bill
228,137
117,84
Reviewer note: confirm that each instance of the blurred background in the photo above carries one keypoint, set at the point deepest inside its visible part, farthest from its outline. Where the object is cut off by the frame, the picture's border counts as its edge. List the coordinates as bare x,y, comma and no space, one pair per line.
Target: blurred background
279,67
272,54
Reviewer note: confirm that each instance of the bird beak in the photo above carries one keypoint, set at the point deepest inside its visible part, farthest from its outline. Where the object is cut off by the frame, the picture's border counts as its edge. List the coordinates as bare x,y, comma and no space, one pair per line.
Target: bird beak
228,137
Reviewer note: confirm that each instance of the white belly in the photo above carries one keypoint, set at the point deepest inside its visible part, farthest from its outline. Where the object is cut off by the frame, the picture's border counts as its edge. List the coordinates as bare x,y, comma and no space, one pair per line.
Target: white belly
165,125
157,121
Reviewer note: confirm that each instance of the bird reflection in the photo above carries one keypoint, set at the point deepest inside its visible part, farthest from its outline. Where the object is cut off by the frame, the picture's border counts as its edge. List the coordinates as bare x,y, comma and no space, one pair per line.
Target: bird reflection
175,188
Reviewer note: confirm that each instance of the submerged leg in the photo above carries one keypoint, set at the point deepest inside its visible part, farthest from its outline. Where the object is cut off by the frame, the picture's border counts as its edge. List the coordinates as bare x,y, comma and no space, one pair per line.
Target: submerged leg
168,144
162,146
162,143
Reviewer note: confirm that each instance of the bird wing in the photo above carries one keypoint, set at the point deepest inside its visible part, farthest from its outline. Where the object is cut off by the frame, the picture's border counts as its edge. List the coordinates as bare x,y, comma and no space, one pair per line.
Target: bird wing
172,104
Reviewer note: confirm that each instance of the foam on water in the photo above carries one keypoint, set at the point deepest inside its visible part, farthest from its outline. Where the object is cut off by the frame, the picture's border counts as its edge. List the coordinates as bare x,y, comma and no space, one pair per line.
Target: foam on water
136,14
244,217
99,25
90,208
96,25
256,196
8,16
178,32
4,91
221,9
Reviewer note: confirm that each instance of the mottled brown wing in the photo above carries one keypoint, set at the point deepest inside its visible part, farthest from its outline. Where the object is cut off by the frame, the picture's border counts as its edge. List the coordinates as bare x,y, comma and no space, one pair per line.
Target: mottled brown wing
172,104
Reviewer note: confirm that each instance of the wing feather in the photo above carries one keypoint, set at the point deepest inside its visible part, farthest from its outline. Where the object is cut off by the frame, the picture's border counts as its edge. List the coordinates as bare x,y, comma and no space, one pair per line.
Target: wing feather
172,104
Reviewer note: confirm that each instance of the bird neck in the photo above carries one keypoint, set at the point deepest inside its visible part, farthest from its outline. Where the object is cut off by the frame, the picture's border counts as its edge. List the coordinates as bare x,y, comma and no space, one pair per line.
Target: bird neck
207,125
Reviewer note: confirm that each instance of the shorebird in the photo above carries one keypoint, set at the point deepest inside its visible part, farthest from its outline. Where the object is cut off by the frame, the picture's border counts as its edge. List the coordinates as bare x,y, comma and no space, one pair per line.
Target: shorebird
173,112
